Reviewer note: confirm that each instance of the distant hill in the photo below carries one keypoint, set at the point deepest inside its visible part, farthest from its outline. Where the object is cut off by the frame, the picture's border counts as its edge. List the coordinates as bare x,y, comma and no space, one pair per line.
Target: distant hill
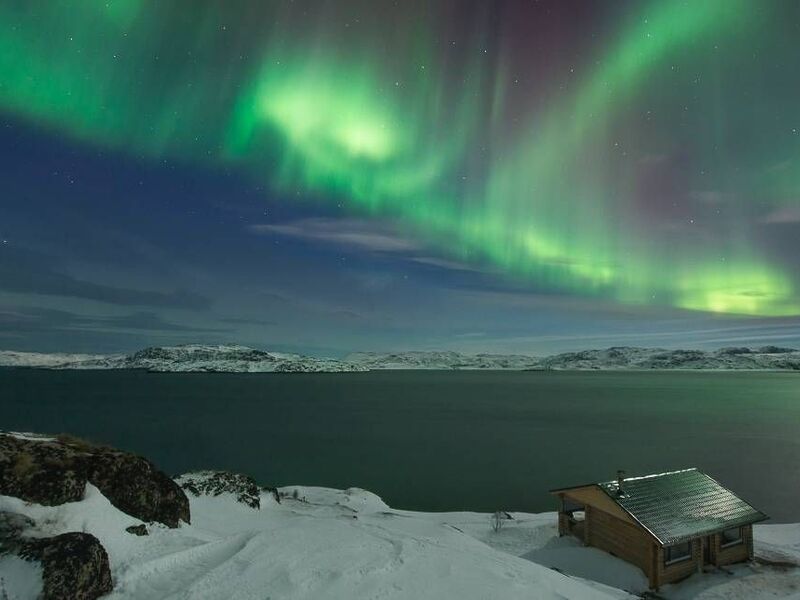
624,357
441,360
230,358
187,358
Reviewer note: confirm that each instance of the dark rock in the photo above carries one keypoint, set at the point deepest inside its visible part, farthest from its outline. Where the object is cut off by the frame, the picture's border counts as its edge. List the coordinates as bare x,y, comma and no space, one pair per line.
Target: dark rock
75,566
13,524
276,495
52,472
39,471
136,487
214,483
137,529
12,527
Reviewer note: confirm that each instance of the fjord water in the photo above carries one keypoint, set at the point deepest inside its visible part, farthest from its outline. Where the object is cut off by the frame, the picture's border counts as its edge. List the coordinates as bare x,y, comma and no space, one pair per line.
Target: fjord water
434,440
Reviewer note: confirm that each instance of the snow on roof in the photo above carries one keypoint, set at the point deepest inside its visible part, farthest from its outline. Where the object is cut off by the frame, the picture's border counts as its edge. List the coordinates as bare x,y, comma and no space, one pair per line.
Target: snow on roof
680,505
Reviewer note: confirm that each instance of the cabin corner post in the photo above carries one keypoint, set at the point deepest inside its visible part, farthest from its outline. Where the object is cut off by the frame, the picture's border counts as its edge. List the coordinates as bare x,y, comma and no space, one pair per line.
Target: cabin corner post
716,543
587,525
658,572
652,571
562,517
698,551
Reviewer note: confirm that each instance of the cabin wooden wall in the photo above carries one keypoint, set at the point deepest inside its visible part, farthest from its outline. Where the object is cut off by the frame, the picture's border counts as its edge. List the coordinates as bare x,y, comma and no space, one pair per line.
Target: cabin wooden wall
621,539
732,554
679,570
611,529
563,524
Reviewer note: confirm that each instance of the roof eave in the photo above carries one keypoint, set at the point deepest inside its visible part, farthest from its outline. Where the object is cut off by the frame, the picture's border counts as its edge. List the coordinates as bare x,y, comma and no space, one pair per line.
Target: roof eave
572,487
694,536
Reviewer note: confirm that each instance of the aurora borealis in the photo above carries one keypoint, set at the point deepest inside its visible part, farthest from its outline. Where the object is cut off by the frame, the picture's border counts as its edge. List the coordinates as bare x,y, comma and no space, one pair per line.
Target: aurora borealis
635,153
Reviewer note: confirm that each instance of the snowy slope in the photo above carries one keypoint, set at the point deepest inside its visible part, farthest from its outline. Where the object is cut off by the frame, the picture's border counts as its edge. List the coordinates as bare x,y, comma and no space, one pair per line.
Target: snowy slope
333,544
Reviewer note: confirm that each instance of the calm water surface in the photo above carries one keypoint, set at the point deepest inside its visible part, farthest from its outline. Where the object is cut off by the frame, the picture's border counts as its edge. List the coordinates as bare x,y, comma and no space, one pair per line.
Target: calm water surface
436,440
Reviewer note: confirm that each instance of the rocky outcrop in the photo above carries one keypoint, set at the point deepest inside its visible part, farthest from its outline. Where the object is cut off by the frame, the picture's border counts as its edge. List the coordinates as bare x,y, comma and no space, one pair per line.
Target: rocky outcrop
139,530
75,566
52,471
214,483
12,528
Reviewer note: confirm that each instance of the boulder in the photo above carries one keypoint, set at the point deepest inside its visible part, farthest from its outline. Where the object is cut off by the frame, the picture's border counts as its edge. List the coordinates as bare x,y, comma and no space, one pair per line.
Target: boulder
75,565
52,471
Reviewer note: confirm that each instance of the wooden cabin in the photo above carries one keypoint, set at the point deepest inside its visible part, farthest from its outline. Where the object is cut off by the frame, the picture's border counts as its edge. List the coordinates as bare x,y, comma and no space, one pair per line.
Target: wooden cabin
670,525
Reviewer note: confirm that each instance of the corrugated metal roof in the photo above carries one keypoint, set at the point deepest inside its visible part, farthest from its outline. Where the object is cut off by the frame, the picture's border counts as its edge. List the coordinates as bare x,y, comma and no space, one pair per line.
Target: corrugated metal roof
681,505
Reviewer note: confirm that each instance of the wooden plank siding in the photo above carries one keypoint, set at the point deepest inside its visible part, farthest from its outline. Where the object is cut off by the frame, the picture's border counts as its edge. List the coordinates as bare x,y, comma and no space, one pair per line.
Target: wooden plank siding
721,556
619,538
678,570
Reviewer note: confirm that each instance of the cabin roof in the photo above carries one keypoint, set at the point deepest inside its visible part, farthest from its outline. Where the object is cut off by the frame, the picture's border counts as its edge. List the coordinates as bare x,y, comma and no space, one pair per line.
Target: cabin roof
680,505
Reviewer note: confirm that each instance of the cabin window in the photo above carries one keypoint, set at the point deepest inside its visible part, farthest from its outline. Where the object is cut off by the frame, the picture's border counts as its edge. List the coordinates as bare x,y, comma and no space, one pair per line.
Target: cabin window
574,510
731,537
677,553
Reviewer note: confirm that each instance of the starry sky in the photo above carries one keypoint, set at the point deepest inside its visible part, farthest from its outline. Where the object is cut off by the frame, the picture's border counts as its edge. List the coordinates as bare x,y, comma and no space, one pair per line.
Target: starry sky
327,176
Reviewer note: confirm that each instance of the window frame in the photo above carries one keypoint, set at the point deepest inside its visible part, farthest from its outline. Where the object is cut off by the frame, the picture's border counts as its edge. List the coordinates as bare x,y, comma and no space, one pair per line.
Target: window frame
678,559
731,543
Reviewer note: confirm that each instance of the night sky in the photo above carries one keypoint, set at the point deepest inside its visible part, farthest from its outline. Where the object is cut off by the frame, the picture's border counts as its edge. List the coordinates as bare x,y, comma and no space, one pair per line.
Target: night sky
328,176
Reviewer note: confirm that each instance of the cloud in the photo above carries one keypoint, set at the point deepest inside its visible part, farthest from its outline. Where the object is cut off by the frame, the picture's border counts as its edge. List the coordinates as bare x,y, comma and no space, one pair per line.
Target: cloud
32,320
143,320
246,321
360,234
52,330
470,334
28,272
788,214
451,265
354,233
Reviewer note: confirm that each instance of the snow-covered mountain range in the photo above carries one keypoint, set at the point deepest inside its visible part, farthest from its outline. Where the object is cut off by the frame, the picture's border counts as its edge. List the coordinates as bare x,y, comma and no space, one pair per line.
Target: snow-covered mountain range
242,359
225,358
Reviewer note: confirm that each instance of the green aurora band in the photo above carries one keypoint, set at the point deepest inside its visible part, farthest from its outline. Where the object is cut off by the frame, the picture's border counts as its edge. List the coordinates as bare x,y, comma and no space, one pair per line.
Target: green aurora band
423,132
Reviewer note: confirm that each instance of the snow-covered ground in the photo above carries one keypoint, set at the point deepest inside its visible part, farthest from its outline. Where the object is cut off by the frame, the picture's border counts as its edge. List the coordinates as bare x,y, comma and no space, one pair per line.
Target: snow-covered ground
349,544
